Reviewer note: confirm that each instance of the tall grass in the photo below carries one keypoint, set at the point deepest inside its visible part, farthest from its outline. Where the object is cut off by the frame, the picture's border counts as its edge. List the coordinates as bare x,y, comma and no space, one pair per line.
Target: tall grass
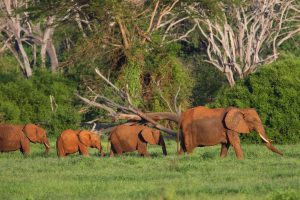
202,175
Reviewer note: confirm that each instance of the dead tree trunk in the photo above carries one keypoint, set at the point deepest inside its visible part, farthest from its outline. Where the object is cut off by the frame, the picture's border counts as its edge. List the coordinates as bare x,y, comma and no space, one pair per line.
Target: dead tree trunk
247,36
128,111
12,29
47,44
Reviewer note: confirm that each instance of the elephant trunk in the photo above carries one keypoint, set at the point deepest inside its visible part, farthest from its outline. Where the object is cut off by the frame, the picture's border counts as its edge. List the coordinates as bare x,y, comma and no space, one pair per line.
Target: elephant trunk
47,145
263,136
163,145
101,151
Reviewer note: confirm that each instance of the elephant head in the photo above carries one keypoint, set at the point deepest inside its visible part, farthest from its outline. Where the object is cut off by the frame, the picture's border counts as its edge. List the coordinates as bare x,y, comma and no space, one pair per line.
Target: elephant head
36,134
246,120
153,136
91,139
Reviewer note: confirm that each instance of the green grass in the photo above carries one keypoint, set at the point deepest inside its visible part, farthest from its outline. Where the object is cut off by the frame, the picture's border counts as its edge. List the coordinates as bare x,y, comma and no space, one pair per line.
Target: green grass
202,175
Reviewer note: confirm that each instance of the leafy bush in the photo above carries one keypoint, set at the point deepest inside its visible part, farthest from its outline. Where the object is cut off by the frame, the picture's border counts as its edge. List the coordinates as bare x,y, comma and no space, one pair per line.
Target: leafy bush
275,93
23,101
209,81
141,69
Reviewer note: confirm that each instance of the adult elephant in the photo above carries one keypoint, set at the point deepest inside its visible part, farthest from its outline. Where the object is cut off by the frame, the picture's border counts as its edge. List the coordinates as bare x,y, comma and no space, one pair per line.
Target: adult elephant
131,138
18,137
72,141
201,126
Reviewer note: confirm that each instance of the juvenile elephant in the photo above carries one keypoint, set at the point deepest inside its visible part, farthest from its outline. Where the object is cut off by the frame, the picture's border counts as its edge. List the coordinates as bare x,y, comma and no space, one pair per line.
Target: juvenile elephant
18,137
131,138
72,141
201,126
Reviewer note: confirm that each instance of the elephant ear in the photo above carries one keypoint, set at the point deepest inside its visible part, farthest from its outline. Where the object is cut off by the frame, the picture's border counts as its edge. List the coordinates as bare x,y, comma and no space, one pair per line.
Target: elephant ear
31,133
85,138
148,136
156,135
235,121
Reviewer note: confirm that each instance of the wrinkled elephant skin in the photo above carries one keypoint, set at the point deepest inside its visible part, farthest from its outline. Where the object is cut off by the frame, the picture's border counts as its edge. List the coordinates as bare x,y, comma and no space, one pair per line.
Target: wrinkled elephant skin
18,137
201,126
131,138
72,141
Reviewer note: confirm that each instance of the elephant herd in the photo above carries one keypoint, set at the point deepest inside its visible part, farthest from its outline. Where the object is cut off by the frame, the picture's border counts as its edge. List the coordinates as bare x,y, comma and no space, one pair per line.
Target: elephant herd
198,127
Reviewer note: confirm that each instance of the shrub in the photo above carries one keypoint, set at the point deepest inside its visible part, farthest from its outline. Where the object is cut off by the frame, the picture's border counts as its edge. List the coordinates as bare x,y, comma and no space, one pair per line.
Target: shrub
275,93
140,70
23,101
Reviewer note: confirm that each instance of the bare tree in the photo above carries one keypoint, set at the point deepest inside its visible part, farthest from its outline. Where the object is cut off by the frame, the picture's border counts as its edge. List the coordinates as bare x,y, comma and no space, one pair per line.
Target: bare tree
127,111
171,20
20,32
11,27
247,36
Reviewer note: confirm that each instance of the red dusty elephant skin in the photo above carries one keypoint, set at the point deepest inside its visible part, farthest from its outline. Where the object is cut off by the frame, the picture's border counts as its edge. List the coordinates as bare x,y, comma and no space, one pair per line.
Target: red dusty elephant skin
18,137
201,126
131,138
72,141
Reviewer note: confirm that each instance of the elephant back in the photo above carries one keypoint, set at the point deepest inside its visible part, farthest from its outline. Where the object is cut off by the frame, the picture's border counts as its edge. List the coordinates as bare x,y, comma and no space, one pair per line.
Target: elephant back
10,137
9,129
69,136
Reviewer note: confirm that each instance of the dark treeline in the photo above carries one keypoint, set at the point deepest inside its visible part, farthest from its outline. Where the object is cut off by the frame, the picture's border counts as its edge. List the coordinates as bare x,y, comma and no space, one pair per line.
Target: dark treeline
242,53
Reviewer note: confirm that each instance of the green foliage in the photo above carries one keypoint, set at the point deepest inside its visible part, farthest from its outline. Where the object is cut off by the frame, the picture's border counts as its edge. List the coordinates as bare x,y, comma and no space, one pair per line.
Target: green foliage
24,101
141,68
8,64
167,74
201,175
131,77
208,80
275,93
152,72
292,45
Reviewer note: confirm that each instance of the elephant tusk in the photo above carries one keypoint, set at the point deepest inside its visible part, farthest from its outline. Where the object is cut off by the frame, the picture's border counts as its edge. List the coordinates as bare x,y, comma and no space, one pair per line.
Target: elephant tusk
47,145
264,139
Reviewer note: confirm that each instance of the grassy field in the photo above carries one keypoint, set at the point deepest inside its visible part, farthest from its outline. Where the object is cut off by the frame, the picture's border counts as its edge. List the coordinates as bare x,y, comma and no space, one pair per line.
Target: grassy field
202,175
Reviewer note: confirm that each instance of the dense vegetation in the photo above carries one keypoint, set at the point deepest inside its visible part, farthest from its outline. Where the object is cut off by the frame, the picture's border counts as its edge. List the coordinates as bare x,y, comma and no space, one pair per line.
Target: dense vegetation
261,175
150,49
24,101
275,93
218,52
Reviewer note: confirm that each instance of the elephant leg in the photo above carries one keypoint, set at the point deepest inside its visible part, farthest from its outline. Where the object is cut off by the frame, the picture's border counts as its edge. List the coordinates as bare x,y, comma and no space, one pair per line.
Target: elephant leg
25,146
61,153
181,151
59,149
83,150
101,152
116,149
234,140
224,149
189,148
111,154
188,144
142,149
182,146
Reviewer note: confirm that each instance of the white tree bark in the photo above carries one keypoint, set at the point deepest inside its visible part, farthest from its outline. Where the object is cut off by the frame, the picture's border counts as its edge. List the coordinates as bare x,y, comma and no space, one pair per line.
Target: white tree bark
128,111
241,41
20,33
12,29
47,44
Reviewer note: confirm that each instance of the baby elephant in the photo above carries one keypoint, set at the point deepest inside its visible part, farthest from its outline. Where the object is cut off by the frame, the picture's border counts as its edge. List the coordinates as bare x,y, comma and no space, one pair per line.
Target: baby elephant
71,141
130,138
19,137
